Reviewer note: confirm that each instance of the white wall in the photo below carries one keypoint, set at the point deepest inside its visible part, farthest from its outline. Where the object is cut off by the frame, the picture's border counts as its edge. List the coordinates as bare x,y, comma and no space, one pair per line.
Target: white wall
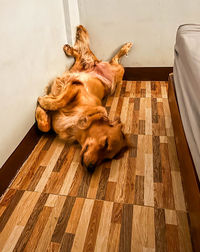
150,24
32,34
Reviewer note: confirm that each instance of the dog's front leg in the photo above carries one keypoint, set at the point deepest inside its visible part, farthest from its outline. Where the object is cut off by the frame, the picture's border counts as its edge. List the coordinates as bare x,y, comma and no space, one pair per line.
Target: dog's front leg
43,119
52,103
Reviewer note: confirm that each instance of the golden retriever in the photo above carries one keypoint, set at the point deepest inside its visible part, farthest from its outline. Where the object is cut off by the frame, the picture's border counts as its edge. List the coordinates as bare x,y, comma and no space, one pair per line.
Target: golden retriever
72,106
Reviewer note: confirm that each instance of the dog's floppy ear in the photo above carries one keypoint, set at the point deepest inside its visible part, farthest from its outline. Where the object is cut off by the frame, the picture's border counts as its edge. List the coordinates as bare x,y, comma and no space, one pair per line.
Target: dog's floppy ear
126,147
86,121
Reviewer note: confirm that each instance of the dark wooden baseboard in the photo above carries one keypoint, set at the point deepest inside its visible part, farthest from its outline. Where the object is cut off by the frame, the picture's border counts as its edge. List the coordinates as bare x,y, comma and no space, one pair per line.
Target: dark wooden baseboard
147,73
17,158
188,172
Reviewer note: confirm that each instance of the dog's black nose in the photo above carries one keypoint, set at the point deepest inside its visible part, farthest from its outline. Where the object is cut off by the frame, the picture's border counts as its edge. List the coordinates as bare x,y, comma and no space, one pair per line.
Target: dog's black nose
91,168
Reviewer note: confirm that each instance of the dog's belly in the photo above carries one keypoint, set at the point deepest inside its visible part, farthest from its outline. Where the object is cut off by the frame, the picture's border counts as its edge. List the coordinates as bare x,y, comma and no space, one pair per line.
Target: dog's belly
103,71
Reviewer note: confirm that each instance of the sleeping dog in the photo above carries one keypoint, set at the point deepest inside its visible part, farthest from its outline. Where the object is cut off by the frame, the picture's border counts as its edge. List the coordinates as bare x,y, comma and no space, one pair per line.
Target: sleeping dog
72,106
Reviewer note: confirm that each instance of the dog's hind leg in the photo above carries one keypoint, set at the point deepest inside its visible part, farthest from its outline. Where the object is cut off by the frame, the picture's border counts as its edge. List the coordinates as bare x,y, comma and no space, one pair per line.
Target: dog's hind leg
123,51
43,119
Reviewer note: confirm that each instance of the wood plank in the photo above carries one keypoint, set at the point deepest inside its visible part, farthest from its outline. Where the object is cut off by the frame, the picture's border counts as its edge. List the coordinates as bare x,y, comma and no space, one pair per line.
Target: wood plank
83,189
76,181
135,123
7,197
183,232
148,181
158,195
75,216
160,230
113,108
168,125
94,183
119,108
124,110
30,166
143,231
104,227
114,236
56,179
93,226
12,240
130,181
110,191
120,191
173,158
61,158
133,150
141,127
27,231
172,238
163,90
126,228
67,242
129,119
45,240
101,192
157,169
114,170
117,213
148,121
2,209
18,157
148,89
163,139
49,153
168,197
39,226
46,174
178,191
51,201
81,231
133,87
69,178
11,200
140,156
36,177
170,217
63,220
25,208
53,247
139,190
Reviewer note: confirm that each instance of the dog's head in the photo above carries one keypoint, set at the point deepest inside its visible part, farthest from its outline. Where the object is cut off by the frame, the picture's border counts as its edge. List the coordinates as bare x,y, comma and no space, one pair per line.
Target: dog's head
105,140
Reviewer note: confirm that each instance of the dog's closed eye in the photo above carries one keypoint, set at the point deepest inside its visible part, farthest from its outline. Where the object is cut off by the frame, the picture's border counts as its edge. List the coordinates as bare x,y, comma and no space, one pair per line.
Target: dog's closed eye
106,143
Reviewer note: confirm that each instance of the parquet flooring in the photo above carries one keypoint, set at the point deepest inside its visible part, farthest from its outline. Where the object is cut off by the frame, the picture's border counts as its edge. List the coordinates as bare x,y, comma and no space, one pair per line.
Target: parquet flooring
135,203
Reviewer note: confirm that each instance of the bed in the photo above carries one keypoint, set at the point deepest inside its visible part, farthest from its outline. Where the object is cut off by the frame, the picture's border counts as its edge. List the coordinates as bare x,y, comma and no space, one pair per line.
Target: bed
184,101
187,85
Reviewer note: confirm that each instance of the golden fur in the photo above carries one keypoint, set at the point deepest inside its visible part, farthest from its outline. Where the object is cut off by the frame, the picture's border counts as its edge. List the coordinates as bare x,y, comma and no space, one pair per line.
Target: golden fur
72,106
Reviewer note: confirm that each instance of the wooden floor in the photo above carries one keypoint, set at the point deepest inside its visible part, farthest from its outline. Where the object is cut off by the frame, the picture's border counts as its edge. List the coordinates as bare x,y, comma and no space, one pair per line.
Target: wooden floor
132,204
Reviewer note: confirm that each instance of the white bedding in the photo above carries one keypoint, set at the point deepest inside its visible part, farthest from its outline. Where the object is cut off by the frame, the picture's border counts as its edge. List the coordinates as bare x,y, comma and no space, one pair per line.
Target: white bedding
187,85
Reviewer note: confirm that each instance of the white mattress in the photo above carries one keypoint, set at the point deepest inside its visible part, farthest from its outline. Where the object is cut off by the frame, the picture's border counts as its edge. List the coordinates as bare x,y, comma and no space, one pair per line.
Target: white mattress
187,85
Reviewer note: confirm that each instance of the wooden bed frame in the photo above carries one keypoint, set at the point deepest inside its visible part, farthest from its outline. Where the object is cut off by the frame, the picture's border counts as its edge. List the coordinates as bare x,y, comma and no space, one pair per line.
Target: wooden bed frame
188,171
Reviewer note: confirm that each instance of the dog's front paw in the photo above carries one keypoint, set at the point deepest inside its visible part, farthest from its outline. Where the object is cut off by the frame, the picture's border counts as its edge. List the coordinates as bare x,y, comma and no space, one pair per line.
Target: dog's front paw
43,101
68,50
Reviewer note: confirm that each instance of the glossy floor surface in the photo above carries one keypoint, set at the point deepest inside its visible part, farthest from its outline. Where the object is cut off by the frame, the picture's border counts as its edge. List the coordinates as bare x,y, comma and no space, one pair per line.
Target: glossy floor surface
135,203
